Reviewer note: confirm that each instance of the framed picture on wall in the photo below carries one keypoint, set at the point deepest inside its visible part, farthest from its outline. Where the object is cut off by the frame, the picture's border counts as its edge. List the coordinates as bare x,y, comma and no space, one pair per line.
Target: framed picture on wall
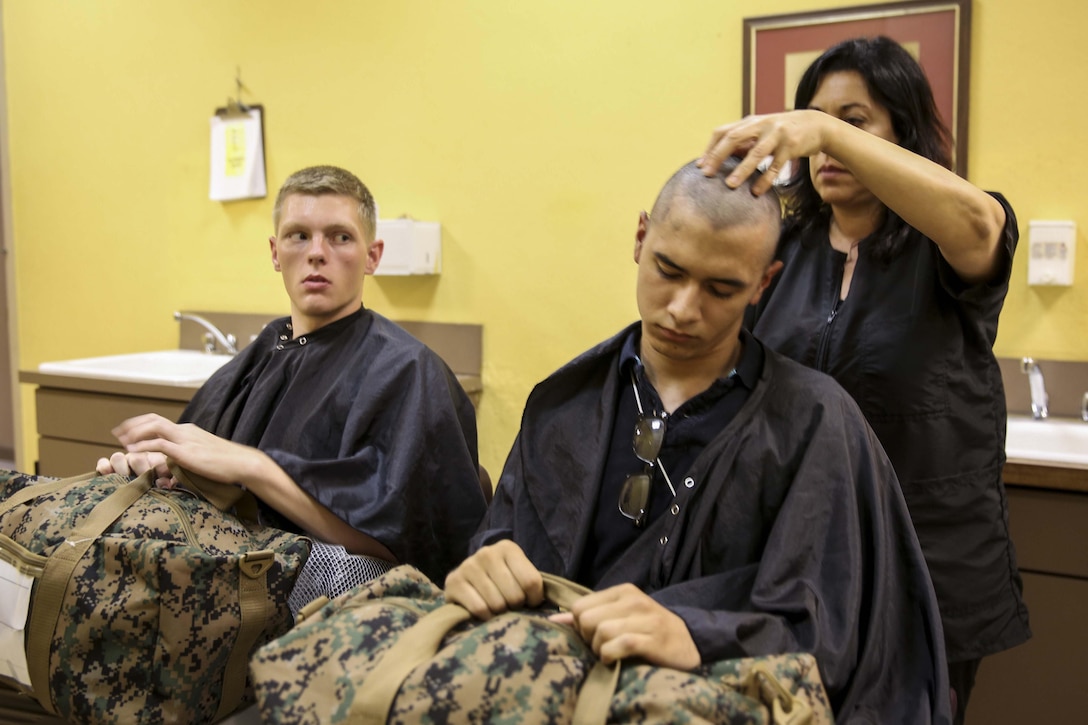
778,49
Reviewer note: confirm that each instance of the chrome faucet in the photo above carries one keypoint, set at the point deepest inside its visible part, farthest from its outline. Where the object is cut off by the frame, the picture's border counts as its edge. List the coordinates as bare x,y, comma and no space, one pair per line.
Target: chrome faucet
1038,389
213,335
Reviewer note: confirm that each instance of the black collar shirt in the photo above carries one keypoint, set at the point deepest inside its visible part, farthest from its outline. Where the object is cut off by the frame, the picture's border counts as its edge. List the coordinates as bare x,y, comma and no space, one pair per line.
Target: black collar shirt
688,430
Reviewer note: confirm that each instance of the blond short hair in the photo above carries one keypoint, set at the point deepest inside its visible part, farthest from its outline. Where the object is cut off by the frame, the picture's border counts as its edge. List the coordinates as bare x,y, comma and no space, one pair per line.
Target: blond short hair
321,180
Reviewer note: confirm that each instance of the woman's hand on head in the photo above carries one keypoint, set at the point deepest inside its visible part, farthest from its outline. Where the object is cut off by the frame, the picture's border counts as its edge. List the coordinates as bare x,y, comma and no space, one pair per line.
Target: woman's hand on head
780,137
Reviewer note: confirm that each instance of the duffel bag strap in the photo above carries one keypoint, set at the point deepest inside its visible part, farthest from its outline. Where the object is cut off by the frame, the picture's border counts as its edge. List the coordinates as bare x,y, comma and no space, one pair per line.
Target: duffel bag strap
416,645
253,603
224,496
561,592
420,642
34,490
595,697
58,571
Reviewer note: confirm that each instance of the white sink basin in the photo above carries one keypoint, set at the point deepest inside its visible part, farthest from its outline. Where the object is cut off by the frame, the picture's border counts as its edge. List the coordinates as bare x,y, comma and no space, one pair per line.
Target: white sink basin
166,367
1057,441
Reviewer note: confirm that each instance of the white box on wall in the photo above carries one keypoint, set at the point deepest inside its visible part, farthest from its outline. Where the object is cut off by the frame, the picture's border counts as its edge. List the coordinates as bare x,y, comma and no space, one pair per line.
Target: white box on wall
1052,251
411,247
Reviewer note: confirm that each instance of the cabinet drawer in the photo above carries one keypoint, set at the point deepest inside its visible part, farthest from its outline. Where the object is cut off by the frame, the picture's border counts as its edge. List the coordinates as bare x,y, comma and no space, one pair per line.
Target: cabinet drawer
89,417
1047,528
61,458
1037,682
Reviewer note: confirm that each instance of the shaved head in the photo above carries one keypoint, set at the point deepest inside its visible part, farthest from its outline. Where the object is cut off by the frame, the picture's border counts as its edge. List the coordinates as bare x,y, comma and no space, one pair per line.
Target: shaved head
721,206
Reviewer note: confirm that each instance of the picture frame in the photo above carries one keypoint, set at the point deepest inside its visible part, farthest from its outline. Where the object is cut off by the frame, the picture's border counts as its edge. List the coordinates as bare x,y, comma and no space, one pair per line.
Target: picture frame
778,49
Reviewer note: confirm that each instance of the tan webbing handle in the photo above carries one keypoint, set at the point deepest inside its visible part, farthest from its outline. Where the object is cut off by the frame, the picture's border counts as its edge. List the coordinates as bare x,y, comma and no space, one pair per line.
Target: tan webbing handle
34,490
224,496
253,603
595,697
416,645
420,642
58,571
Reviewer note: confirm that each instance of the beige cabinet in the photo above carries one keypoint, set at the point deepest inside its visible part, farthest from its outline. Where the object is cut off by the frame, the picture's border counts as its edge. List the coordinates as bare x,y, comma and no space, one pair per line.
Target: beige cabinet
75,417
1042,680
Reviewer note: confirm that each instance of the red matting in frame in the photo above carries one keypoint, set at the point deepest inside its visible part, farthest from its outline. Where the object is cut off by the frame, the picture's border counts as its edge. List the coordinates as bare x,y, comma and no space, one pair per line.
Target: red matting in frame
936,33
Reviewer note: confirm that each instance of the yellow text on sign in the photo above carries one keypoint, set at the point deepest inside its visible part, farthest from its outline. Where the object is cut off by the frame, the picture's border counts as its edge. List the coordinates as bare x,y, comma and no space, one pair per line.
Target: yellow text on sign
235,158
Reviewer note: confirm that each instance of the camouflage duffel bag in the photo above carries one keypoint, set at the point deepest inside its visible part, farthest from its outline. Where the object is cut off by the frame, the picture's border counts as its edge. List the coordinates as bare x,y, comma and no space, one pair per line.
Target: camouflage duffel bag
394,651
134,604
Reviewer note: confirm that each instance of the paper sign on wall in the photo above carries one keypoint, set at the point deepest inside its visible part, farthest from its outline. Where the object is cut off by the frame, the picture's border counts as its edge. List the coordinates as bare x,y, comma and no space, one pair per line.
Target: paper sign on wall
237,164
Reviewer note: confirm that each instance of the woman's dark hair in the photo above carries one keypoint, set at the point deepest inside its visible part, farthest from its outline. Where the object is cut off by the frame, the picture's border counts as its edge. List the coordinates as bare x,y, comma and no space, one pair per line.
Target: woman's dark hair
895,81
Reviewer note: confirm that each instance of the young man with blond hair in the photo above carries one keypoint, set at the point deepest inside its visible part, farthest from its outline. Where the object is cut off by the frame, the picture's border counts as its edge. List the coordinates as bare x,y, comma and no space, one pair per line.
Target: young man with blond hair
343,425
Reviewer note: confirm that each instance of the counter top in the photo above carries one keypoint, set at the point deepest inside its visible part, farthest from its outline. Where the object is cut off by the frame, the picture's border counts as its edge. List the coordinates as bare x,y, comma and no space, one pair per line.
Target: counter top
1050,453
111,387
1041,475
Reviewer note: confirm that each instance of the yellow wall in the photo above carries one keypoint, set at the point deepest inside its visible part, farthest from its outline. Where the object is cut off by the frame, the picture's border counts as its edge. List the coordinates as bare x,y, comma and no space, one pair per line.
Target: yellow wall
533,131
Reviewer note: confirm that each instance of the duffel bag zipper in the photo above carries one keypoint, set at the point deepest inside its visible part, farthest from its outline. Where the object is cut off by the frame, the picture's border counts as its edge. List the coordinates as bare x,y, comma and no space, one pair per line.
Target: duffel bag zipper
183,518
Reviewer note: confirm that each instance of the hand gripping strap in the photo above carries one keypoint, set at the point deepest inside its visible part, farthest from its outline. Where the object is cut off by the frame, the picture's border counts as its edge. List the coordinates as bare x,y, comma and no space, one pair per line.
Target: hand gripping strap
420,642
58,572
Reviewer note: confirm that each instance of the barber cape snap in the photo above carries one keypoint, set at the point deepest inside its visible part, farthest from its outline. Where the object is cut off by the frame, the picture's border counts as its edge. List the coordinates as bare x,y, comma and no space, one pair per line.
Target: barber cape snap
135,604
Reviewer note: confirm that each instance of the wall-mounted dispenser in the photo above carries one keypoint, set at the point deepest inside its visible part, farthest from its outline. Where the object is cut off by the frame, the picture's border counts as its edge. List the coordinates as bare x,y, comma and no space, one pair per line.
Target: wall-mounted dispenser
1052,247
411,247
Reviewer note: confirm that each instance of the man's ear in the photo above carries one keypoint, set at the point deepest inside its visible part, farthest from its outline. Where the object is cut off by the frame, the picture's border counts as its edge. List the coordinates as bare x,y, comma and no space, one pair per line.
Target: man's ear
374,255
275,256
774,268
640,233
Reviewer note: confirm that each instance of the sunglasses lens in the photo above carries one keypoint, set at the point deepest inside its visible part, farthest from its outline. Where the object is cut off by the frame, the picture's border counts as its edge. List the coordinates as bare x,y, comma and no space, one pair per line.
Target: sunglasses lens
633,497
649,435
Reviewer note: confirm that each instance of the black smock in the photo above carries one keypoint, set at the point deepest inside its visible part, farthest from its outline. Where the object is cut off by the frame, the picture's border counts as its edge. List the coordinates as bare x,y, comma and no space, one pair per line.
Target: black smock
368,421
913,344
793,535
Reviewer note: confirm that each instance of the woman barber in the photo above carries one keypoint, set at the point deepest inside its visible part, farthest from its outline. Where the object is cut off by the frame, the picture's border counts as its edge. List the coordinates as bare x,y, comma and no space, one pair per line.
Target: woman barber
895,273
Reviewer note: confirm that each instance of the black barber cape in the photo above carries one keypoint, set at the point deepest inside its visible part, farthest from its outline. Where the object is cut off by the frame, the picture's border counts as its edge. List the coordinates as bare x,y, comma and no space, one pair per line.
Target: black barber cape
792,535
367,420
